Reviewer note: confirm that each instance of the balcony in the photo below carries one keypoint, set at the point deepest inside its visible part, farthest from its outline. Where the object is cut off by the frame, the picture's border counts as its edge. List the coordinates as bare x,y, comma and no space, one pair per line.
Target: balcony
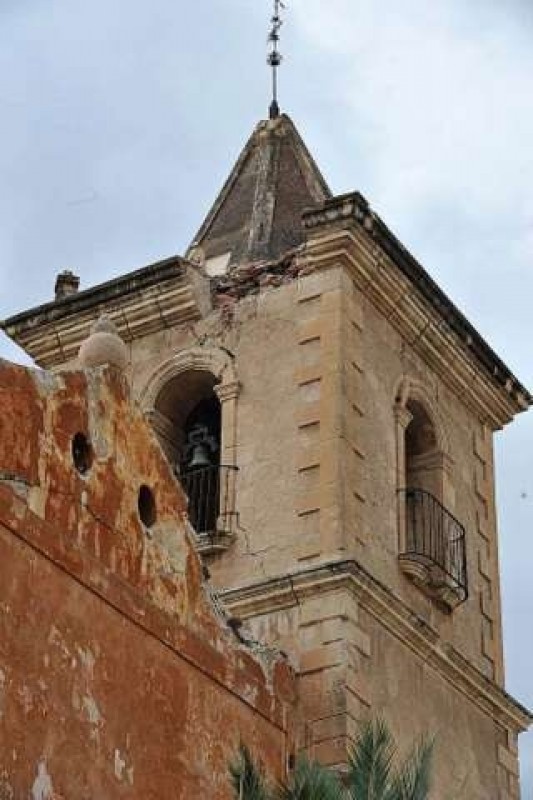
211,493
435,555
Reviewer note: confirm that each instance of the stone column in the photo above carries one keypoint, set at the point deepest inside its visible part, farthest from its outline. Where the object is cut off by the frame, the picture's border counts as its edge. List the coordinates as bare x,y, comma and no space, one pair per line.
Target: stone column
228,393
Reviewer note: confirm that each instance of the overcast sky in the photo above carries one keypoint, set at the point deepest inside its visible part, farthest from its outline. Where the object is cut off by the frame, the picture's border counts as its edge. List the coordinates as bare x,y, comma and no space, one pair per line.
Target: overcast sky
120,120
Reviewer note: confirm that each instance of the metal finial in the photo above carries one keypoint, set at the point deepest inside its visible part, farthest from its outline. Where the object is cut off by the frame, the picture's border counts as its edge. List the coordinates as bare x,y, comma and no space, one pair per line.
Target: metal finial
274,57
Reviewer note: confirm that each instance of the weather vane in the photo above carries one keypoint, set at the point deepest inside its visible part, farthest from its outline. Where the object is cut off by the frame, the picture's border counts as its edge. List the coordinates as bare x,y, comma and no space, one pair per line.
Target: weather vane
274,57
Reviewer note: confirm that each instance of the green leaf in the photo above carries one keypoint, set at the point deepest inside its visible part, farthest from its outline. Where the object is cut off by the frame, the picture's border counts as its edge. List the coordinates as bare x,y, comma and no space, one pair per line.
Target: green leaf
310,781
412,780
370,762
247,777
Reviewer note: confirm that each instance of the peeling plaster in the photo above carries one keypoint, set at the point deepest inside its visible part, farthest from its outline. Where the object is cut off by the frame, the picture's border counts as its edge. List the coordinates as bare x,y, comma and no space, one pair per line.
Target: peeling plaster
123,772
26,697
2,692
93,712
6,790
42,788
106,645
87,658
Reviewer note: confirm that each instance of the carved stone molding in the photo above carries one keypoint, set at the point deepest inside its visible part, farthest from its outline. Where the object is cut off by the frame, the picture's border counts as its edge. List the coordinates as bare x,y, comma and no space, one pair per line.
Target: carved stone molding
205,359
461,359
141,303
208,545
275,594
441,588
227,391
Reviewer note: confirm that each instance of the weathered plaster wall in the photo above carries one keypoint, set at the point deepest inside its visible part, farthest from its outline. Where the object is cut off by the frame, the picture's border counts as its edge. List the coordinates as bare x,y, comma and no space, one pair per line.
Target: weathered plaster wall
117,677
261,334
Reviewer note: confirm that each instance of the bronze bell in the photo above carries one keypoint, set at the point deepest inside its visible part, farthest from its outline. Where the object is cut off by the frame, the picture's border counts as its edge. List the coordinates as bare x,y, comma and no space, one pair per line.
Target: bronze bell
200,456
200,446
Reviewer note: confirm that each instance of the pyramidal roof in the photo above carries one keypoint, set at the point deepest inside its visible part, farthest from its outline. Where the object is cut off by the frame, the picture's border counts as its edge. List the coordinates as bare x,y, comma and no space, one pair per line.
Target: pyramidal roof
257,215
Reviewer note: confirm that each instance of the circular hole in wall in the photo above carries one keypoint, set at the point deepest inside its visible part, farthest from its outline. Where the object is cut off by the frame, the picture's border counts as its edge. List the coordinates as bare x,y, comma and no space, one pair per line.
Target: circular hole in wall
82,453
146,505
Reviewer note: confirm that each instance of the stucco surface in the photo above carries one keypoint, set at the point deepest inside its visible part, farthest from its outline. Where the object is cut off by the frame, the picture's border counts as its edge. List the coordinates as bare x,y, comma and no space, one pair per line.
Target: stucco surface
118,678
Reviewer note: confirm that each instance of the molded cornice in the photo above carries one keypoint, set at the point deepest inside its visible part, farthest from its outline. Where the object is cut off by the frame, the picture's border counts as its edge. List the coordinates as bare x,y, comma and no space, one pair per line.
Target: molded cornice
276,594
146,301
344,231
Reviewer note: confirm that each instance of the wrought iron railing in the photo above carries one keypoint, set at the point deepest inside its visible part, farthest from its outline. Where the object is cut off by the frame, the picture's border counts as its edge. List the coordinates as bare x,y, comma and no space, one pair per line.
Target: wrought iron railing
435,538
211,493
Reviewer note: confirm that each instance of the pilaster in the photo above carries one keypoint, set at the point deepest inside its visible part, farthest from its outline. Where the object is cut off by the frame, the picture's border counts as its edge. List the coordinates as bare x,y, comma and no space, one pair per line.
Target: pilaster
318,376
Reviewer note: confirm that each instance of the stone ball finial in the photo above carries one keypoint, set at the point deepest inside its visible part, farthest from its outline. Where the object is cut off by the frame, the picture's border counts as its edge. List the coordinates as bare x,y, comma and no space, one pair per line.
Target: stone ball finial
103,346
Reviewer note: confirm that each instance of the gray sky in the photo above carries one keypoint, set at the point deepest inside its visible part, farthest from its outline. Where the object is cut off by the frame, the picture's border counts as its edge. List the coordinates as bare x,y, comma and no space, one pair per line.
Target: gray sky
121,120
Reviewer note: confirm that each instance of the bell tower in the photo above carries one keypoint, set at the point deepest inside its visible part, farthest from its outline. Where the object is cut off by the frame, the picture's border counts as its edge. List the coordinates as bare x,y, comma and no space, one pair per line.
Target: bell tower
330,415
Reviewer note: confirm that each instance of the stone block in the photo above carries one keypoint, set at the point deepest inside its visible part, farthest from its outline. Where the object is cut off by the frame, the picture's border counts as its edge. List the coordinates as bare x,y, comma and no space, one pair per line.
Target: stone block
484,564
357,682
307,374
483,523
360,640
307,458
332,606
310,393
323,657
487,605
328,728
508,760
309,414
310,330
331,752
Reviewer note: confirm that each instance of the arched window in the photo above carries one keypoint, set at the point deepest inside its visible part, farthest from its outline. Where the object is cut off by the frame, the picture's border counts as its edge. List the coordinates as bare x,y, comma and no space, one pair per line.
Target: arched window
191,406
191,402
424,461
191,410
431,540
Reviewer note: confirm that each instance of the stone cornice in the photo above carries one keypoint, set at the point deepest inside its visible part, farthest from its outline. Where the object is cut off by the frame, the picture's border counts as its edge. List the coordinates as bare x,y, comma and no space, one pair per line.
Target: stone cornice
342,232
275,594
344,228
148,300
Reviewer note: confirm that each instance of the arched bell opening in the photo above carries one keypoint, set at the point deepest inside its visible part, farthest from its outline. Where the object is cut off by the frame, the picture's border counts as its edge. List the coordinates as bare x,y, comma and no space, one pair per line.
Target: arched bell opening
178,407
188,419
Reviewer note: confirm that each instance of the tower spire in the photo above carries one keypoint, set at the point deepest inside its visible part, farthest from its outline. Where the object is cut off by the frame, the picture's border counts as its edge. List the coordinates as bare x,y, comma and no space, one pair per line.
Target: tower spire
274,57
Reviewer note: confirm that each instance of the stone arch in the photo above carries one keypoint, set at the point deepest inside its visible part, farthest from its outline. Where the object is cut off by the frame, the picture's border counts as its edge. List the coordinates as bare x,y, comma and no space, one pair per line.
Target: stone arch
191,402
213,360
216,365
430,540
423,461
409,390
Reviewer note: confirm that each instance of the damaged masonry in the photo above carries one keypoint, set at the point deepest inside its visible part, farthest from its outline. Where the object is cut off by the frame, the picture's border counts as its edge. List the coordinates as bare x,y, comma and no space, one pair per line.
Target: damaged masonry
296,409
115,657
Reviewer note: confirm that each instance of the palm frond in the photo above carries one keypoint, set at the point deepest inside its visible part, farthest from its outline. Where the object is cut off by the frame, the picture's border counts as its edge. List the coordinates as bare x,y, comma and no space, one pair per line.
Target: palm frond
310,781
247,777
370,762
412,780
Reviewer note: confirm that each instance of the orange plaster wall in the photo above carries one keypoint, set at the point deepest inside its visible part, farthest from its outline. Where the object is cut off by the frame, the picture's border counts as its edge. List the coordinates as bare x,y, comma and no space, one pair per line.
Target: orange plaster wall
117,679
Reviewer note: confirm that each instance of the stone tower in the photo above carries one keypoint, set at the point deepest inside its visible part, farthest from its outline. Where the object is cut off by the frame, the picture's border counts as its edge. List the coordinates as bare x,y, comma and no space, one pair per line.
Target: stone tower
330,414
